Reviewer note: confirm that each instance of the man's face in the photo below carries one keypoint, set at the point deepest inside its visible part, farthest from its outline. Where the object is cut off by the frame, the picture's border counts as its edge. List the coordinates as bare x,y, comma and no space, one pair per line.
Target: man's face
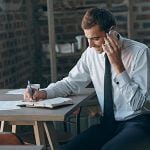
95,37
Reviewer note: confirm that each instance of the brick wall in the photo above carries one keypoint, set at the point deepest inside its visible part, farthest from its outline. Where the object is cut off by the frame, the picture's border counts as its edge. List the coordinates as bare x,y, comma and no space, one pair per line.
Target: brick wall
142,24
17,45
68,15
25,29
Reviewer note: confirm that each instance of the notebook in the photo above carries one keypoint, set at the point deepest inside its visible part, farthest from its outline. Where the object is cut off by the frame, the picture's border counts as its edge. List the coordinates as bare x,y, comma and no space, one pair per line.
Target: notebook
48,103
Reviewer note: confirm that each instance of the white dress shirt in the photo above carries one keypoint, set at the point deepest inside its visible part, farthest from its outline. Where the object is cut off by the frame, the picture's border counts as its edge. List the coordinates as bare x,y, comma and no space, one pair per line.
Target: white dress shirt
131,88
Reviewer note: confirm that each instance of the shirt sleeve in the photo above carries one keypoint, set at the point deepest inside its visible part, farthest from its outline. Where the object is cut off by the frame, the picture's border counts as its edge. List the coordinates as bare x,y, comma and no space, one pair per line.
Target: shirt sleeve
136,87
78,77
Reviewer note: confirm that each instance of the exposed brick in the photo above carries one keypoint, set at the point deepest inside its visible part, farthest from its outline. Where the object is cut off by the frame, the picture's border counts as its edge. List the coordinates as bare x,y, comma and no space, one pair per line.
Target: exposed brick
59,29
9,17
122,26
92,2
121,18
2,84
142,1
3,18
68,20
16,46
143,33
136,25
145,8
135,8
143,17
43,22
17,39
70,28
146,25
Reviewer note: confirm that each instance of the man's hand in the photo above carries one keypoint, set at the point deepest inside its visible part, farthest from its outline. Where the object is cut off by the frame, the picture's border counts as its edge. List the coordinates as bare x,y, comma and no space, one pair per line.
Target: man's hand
112,48
35,96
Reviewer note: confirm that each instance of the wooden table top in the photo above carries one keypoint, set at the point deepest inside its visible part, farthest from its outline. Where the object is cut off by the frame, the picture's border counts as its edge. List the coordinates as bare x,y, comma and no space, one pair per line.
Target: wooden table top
42,114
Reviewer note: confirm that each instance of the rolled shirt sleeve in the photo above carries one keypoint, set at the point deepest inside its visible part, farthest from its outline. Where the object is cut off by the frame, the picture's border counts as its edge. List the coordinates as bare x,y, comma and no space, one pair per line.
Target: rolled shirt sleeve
136,89
78,77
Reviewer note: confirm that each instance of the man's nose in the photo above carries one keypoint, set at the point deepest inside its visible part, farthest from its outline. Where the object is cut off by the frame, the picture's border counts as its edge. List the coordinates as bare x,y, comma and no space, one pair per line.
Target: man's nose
91,44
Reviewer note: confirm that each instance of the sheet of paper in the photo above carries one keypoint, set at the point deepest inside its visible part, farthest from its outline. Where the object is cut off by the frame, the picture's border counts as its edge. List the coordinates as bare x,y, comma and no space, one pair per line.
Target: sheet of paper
16,91
9,105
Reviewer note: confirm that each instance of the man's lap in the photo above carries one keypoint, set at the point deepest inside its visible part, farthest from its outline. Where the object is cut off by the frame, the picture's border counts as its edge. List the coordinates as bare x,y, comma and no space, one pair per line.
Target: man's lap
92,138
128,135
131,135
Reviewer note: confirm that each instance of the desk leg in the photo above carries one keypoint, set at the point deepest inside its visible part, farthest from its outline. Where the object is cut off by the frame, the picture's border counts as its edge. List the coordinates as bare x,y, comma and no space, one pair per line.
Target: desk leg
51,135
2,126
39,133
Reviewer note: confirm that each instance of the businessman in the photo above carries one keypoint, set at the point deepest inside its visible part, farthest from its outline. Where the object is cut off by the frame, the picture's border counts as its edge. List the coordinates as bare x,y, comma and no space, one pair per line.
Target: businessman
119,69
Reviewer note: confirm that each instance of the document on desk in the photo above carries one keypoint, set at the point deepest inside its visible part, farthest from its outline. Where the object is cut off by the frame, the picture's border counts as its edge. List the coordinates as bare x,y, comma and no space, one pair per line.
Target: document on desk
16,91
9,105
48,103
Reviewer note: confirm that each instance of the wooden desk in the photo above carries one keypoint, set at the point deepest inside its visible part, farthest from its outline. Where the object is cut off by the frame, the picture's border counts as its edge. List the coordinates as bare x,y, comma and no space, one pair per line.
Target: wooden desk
42,119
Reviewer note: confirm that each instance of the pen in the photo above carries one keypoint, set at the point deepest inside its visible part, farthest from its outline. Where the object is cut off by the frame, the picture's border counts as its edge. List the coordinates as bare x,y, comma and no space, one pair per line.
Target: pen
29,88
29,85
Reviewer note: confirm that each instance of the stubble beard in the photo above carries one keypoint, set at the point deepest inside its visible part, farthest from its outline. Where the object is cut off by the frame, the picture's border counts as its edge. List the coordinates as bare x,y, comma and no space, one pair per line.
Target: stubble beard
99,50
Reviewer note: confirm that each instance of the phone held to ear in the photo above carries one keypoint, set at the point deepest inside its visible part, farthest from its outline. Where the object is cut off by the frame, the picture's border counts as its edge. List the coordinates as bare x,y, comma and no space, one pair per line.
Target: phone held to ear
114,34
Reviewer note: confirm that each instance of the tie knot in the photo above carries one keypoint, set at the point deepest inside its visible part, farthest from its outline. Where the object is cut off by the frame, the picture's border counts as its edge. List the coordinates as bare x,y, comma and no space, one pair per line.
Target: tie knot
106,57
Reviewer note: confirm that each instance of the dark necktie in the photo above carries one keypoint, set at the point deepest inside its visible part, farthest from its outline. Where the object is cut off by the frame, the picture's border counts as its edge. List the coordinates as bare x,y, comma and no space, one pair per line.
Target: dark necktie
108,98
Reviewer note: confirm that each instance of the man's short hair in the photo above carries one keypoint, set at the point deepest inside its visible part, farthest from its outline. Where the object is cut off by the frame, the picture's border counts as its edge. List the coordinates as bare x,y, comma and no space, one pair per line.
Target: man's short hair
101,17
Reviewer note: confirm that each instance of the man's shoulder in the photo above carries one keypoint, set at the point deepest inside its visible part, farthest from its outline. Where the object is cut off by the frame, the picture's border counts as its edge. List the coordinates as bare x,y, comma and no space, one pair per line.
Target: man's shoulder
89,51
129,43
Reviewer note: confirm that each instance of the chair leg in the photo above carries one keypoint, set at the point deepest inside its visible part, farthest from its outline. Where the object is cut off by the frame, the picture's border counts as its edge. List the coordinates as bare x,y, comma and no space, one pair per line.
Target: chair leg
14,127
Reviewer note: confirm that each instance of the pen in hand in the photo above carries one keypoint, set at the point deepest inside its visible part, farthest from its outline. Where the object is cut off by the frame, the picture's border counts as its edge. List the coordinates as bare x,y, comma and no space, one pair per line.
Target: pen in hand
30,90
33,91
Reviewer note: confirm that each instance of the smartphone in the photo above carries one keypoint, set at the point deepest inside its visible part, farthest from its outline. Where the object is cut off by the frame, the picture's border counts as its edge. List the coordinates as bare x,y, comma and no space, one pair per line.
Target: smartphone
114,34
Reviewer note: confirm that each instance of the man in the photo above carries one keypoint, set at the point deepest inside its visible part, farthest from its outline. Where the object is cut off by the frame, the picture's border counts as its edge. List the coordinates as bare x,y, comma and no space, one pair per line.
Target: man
130,71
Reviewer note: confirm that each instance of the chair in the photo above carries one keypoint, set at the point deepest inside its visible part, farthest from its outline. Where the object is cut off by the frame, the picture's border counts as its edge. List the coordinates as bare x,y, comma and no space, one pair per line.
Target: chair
7,138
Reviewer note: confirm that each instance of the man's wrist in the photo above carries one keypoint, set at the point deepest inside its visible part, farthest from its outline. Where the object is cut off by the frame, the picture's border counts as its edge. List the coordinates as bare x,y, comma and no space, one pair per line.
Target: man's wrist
119,69
43,94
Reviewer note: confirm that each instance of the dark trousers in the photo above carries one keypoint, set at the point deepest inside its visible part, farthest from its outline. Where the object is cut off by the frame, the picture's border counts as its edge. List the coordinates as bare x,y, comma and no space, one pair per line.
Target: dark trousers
133,134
